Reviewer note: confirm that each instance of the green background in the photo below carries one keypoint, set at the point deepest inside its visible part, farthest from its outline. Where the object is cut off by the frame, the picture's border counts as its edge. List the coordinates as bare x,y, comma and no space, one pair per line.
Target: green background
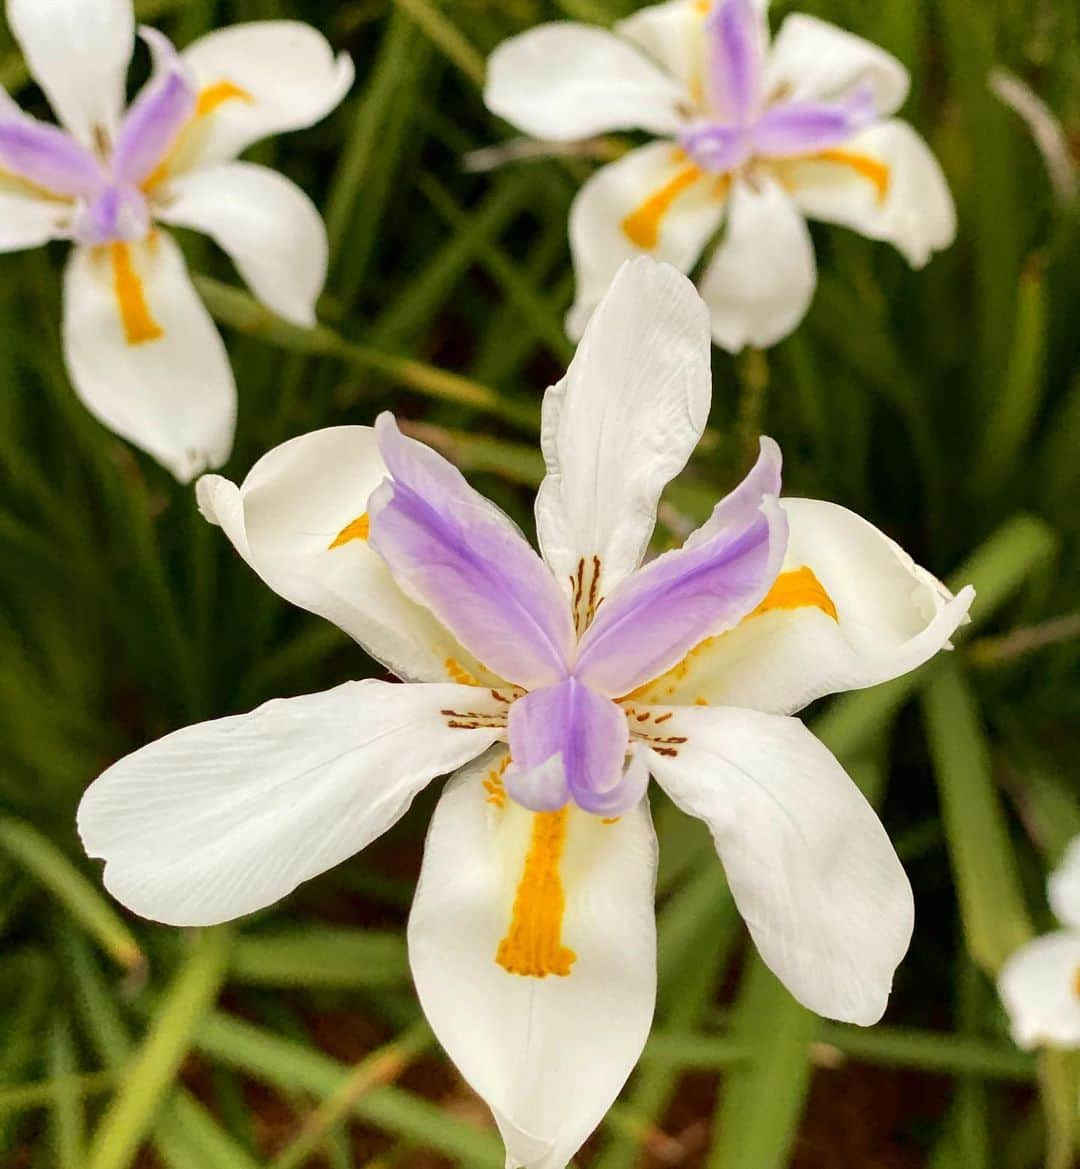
943,405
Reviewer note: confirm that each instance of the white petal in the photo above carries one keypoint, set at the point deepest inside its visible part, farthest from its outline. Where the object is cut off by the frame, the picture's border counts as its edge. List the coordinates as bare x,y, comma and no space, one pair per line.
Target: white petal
549,1055
1064,886
268,226
687,211
891,616
885,184
294,504
566,81
622,423
29,222
78,52
288,76
158,374
762,278
808,862
220,819
673,35
1040,987
812,60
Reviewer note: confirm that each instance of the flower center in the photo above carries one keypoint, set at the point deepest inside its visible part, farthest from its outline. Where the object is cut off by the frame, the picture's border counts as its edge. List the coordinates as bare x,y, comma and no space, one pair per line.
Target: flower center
118,213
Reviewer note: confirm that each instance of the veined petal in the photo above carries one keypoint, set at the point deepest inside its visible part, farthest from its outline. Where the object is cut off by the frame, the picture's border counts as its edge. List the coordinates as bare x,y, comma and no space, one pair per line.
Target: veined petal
737,37
849,610
156,116
654,200
762,278
808,862
815,61
455,552
655,617
259,79
619,427
566,81
583,730
300,520
271,230
883,183
220,819
1038,985
1064,887
144,355
44,157
502,890
78,52
28,222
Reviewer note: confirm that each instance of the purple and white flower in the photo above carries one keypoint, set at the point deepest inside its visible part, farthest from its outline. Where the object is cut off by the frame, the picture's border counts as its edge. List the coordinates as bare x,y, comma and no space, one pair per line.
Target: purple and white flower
754,137
1040,983
554,685
143,354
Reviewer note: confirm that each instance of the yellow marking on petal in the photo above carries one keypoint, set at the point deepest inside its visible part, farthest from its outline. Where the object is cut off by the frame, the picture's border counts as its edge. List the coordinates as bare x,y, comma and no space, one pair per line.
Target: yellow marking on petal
1076,982
459,674
798,589
877,172
211,98
139,325
642,227
493,785
611,820
359,529
533,943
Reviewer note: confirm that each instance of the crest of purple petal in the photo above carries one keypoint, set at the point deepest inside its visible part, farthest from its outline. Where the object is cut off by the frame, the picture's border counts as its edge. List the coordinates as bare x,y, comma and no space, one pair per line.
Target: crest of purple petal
735,49
456,553
157,115
655,617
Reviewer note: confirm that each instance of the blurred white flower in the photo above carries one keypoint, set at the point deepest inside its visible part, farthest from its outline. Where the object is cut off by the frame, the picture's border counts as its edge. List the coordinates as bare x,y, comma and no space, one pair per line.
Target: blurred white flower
532,937
1040,983
755,138
142,351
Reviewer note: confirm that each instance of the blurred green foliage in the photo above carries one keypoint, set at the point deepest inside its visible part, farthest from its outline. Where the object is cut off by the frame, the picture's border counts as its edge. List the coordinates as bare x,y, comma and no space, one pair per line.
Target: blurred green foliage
943,405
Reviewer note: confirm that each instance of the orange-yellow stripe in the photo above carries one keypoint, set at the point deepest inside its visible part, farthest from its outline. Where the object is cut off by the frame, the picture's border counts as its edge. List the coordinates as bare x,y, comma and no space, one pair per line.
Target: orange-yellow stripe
213,96
359,529
642,227
798,589
139,325
533,943
877,172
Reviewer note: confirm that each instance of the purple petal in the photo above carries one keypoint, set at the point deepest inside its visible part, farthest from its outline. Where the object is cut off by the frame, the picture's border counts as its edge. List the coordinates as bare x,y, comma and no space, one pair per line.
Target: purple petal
116,214
739,507
800,127
652,620
735,36
158,114
569,722
717,148
626,794
455,552
45,155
